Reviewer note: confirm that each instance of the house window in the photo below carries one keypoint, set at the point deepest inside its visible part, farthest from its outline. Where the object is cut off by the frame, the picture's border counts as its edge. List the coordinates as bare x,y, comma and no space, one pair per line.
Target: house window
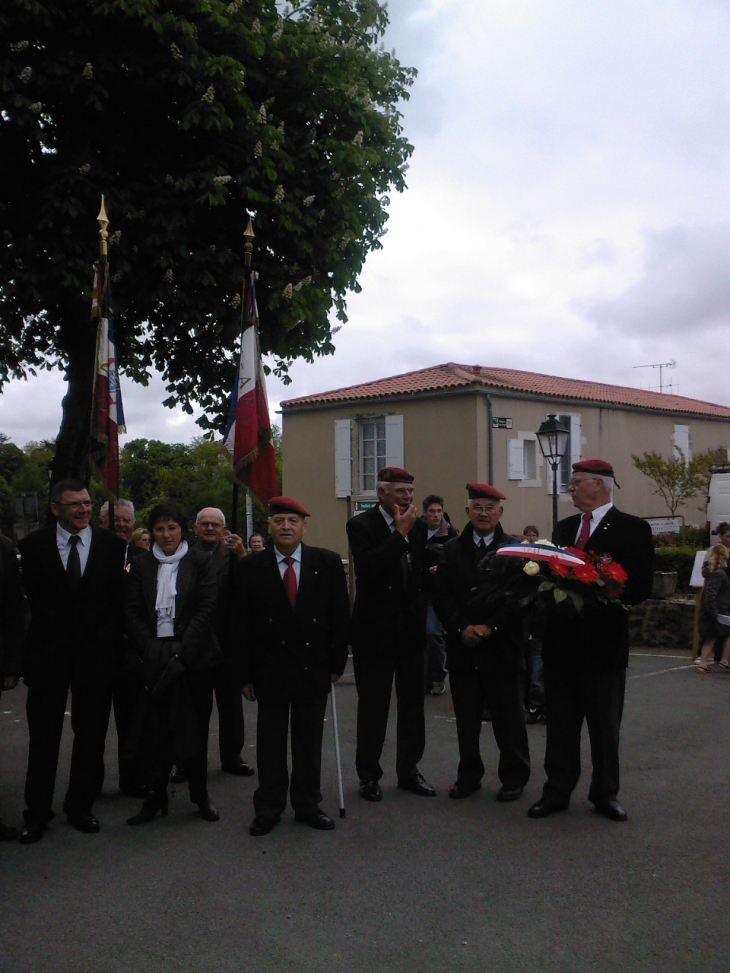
682,445
372,453
522,458
374,442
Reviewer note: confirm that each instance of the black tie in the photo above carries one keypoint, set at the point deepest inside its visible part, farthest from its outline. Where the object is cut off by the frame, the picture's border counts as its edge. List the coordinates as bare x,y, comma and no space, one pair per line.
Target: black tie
481,548
73,566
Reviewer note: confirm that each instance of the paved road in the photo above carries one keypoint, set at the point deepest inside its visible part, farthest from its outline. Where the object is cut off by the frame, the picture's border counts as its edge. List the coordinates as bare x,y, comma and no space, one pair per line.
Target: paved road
413,885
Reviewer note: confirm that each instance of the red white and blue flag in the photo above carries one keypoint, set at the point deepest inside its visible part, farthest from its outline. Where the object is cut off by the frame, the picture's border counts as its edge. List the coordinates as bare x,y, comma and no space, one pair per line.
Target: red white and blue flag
540,552
107,414
248,431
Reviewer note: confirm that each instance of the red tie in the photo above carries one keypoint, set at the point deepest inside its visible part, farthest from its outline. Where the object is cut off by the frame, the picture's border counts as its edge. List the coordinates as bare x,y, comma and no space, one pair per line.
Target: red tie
290,580
585,532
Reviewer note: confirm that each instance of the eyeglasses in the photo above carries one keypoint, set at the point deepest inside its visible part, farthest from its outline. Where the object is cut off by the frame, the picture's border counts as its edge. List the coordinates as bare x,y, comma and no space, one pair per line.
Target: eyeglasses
208,523
489,509
74,504
575,482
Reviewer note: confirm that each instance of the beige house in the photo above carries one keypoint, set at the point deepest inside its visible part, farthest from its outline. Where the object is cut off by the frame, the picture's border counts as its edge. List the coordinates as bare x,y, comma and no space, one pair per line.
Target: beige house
453,423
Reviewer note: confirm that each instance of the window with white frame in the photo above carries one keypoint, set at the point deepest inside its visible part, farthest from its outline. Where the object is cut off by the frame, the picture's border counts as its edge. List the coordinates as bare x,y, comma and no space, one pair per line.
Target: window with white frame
682,444
522,459
372,452
363,446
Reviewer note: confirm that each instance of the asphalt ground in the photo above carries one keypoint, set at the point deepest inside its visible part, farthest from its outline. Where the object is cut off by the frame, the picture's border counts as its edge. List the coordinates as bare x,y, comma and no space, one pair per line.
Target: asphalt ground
411,884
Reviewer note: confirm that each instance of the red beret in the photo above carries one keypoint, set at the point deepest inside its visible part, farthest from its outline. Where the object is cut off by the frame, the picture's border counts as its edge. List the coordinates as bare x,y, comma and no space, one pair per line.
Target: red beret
484,491
598,466
394,474
287,505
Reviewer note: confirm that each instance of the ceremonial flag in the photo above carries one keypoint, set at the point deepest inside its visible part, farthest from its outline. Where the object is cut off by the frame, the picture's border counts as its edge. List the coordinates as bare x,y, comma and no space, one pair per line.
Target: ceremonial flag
107,415
248,432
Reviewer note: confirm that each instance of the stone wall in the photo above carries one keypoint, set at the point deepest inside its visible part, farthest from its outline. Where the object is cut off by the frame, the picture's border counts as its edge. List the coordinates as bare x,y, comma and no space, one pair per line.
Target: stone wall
666,623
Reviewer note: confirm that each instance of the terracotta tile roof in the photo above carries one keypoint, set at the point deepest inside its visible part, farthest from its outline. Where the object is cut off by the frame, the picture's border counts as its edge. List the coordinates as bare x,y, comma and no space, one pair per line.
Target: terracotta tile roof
451,375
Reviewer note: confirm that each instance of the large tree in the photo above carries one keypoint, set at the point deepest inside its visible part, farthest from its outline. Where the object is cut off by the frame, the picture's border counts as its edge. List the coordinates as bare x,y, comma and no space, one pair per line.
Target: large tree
188,115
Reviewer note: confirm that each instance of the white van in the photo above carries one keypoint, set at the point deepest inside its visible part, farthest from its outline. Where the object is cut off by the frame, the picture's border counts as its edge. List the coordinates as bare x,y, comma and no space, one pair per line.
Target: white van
718,501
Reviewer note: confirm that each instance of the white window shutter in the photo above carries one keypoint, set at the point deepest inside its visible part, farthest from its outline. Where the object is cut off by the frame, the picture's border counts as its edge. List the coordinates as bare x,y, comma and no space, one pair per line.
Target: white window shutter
343,457
515,459
575,439
681,442
394,453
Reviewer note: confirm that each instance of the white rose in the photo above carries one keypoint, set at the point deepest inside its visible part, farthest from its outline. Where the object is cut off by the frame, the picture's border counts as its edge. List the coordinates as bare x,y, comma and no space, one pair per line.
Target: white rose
532,568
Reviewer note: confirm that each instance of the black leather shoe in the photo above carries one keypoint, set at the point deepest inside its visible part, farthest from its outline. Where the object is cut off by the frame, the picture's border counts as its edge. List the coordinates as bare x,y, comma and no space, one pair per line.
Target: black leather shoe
7,833
417,785
208,810
33,831
544,808
370,790
261,826
463,788
315,819
238,767
178,776
85,822
152,804
509,793
612,810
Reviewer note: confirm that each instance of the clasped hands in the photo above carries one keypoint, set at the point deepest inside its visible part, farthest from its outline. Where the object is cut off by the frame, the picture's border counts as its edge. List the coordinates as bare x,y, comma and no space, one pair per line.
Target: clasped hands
473,634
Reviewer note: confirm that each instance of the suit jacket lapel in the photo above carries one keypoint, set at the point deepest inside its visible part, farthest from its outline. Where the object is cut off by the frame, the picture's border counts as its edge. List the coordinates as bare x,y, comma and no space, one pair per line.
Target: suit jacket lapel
182,588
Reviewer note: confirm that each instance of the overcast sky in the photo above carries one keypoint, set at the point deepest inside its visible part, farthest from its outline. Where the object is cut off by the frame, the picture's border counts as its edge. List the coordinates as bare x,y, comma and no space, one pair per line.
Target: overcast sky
567,209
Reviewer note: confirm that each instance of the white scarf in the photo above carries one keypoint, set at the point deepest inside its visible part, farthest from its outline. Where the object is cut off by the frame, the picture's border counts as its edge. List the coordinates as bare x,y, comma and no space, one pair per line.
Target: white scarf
167,584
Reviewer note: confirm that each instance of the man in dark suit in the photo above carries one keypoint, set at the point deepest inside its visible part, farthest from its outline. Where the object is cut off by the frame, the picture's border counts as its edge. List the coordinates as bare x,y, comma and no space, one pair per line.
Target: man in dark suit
485,658
388,632
72,575
292,634
126,684
210,529
11,634
585,657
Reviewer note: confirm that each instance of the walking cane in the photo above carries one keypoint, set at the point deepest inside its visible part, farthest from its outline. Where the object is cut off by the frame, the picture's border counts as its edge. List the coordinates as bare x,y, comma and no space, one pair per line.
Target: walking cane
336,733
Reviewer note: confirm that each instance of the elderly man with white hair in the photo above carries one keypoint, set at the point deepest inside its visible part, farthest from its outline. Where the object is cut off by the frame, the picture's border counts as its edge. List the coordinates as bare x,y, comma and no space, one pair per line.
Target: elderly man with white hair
210,530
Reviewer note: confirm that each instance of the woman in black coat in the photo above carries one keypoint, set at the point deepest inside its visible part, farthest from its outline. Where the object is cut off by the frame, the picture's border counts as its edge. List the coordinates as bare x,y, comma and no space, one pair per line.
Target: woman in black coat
170,617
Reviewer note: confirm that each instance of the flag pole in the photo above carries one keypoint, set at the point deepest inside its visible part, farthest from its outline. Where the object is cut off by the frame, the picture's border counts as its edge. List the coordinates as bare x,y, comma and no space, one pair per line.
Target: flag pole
103,220
248,238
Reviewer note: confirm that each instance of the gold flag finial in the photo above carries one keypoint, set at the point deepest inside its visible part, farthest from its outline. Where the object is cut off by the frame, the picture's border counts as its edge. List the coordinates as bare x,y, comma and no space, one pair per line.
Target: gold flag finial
103,222
248,236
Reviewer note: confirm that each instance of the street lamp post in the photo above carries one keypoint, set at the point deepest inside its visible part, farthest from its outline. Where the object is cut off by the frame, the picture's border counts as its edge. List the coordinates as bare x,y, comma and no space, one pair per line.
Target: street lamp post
553,438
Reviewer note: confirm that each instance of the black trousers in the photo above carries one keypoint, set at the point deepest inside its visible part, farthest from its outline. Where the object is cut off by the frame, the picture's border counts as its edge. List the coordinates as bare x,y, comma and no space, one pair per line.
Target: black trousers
45,709
374,676
231,733
471,693
571,698
307,721
125,694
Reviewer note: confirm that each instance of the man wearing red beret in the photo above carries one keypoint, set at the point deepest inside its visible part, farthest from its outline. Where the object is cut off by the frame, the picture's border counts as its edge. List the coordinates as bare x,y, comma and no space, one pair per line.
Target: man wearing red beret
293,623
388,633
585,657
486,661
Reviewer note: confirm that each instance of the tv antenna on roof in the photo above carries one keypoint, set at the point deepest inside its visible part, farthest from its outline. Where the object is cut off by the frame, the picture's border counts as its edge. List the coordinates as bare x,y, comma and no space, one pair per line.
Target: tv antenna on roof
668,364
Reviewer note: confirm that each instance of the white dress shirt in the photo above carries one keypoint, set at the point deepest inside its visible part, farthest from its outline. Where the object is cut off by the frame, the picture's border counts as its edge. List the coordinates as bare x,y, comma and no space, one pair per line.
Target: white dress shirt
597,516
297,555
63,542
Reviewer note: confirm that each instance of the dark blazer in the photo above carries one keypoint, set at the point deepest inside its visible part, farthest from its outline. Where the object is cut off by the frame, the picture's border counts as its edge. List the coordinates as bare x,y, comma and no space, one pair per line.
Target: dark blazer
388,617
72,632
454,584
287,652
195,606
12,613
599,639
